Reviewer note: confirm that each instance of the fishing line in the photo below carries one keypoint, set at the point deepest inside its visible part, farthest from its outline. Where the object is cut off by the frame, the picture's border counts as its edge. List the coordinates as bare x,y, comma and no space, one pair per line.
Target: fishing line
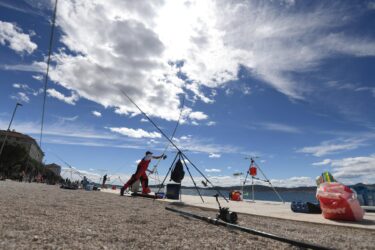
46,78
174,145
173,134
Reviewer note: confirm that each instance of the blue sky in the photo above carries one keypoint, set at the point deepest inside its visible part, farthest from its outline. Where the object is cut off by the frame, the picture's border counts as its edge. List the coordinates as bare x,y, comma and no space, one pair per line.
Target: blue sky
292,82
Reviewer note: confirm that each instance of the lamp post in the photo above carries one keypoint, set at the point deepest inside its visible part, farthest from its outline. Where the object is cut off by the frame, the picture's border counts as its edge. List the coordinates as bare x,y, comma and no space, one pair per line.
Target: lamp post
10,124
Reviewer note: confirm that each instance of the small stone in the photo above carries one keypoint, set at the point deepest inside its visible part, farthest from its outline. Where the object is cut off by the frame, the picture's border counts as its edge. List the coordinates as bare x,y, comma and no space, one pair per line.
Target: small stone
35,238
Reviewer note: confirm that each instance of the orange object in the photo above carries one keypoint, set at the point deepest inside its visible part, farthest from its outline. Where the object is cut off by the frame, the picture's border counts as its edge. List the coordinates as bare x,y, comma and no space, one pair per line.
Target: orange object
253,171
236,196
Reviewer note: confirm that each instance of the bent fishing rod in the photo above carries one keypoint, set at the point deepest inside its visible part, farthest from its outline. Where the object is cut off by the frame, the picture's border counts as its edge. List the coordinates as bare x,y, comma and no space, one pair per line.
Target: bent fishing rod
173,144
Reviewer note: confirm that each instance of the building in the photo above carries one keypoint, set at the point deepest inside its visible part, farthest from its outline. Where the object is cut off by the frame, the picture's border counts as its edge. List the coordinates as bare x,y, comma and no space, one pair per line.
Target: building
54,168
27,142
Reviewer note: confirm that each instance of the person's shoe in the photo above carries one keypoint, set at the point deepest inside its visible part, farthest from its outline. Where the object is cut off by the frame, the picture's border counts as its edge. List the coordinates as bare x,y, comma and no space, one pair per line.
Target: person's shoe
122,191
146,190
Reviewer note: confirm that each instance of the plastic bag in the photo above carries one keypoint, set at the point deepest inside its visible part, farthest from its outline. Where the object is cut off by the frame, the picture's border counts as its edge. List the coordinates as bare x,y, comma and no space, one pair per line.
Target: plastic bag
339,202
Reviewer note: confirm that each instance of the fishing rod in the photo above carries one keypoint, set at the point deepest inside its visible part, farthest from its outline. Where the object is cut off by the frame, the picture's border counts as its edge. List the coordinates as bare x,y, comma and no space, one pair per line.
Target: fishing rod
173,144
250,230
172,136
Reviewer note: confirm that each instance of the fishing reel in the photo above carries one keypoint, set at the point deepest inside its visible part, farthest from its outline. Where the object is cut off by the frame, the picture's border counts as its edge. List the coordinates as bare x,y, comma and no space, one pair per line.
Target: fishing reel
224,213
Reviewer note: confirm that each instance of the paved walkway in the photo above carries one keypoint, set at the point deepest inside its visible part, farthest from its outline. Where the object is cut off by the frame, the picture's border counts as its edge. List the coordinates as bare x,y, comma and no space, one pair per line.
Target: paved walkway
267,208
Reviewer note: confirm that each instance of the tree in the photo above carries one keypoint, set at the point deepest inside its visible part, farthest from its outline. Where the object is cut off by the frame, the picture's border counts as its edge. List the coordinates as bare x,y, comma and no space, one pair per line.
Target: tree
13,160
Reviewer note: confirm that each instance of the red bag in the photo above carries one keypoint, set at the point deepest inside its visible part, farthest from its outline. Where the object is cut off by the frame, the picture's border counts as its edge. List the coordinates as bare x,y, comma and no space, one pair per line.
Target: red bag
339,202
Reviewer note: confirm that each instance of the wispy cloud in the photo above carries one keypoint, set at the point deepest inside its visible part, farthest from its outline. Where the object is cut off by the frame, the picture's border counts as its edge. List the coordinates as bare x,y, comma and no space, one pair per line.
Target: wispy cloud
21,97
96,113
371,5
67,99
279,127
60,129
331,147
212,170
322,163
211,123
135,133
39,67
206,145
214,155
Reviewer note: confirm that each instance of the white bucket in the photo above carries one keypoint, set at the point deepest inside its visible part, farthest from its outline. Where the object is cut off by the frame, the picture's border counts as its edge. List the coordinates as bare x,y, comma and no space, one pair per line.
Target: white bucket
135,187
89,187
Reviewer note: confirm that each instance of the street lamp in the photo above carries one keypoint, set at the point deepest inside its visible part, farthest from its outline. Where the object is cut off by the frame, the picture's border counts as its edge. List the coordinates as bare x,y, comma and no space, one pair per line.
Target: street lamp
10,124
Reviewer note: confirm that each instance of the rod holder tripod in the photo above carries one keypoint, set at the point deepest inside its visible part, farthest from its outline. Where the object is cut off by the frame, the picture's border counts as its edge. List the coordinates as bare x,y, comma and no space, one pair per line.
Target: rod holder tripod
180,156
253,164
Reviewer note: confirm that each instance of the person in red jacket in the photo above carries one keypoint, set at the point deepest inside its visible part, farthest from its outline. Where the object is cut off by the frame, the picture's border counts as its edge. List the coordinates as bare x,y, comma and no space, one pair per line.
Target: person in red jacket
141,173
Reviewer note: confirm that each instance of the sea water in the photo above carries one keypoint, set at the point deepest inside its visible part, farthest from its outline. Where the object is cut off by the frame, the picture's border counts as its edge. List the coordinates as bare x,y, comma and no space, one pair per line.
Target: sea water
287,196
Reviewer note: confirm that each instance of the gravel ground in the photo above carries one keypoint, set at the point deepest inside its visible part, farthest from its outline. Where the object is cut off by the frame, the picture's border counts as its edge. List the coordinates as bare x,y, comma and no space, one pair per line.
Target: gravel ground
38,216
326,235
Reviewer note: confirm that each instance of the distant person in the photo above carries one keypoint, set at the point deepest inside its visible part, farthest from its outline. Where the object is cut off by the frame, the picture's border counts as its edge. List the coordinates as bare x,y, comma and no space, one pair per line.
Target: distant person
84,182
140,174
104,180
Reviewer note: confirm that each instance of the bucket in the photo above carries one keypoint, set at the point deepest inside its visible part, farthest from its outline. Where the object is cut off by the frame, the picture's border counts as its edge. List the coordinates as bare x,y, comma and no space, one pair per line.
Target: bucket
253,171
135,187
173,191
89,187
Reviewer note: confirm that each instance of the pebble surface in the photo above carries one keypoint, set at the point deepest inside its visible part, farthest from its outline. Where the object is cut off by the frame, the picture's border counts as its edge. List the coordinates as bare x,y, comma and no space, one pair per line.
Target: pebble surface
39,216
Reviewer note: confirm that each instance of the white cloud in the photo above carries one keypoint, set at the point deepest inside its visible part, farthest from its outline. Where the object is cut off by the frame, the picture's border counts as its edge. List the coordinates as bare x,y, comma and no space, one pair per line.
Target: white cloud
12,36
135,133
27,89
39,67
21,97
96,113
38,77
211,123
371,5
352,170
61,129
214,155
211,38
198,115
17,85
331,147
212,170
322,163
194,123
206,145
67,119
67,99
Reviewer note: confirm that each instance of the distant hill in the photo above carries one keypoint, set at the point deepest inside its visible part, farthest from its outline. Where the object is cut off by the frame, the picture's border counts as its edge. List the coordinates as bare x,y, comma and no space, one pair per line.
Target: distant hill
260,188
